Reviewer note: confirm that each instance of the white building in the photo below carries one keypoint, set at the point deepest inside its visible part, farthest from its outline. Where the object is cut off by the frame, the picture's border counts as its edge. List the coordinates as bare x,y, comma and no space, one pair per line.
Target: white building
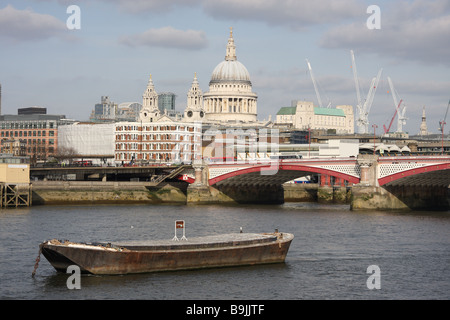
157,137
165,141
303,115
93,141
128,111
339,148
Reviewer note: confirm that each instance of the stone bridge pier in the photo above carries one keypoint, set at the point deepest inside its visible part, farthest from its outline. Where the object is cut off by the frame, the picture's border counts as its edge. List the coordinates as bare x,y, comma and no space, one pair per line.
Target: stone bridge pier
229,192
423,191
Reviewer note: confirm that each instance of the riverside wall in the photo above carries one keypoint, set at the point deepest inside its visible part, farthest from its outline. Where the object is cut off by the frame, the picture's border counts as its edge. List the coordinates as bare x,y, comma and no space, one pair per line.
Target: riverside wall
104,192
359,197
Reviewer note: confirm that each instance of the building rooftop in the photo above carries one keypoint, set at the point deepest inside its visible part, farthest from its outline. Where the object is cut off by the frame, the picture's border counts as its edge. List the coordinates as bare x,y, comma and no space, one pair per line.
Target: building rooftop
30,117
329,112
32,110
286,111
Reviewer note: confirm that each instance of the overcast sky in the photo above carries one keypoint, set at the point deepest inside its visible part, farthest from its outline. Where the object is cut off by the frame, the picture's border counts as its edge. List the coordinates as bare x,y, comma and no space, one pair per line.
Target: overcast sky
121,42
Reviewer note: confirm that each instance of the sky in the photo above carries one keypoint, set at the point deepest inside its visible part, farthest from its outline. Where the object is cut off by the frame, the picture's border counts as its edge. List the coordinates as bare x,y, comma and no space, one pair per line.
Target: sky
120,43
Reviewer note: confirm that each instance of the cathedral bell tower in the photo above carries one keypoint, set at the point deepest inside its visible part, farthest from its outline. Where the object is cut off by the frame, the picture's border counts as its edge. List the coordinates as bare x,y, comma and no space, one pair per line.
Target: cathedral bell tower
149,111
194,109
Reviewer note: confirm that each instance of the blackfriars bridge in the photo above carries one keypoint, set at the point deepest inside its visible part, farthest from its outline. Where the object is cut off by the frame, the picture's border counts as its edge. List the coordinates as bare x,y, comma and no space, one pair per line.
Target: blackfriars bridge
417,182
375,182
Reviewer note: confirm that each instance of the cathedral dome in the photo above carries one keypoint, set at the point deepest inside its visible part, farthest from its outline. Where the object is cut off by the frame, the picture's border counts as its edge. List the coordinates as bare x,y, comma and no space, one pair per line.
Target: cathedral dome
230,98
230,70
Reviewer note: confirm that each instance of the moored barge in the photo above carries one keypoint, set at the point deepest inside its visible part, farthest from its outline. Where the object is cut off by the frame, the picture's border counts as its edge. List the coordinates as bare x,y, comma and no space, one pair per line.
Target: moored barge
236,249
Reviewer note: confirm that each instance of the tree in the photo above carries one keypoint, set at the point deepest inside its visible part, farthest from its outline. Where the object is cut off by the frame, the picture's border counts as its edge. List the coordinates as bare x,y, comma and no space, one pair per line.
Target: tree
66,153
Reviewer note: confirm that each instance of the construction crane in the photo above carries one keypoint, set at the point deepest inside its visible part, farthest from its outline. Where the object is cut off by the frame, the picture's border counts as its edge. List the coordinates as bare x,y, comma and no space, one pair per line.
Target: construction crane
363,107
388,129
399,109
442,123
441,126
319,100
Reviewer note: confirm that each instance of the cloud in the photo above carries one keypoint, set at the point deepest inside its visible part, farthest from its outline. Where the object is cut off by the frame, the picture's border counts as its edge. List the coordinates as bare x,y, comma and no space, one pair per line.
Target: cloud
295,14
151,6
167,37
26,25
416,31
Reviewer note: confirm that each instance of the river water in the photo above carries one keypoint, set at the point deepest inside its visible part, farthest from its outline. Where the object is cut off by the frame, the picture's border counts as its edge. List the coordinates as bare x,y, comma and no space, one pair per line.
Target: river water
328,259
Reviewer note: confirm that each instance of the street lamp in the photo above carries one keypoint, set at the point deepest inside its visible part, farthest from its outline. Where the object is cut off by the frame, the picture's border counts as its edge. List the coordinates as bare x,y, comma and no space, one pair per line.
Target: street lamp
374,126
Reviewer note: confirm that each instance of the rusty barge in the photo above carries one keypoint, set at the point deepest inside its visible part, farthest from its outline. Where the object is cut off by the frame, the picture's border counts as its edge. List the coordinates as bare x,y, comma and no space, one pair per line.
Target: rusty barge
236,249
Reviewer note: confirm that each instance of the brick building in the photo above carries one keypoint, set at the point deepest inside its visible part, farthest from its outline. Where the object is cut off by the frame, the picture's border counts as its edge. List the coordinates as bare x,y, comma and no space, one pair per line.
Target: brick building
37,134
157,142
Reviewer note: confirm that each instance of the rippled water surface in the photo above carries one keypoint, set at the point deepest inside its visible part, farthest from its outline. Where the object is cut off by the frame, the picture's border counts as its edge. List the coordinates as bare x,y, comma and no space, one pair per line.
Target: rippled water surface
328,258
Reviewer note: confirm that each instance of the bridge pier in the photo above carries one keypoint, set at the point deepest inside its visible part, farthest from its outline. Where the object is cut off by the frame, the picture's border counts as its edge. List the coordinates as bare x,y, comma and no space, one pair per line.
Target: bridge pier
200,191
431,194
400,198
367,194
366,197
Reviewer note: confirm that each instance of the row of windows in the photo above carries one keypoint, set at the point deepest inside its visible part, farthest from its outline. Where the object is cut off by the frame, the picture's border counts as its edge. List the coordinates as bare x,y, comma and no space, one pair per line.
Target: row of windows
157,146
155,128
50,150
330,120
31,150
33,133
231,86
37,141
27,125
152,156
151,137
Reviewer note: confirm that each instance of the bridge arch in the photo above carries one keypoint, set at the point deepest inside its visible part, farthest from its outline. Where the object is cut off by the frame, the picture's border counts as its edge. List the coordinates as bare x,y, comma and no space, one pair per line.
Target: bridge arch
412,172
281,167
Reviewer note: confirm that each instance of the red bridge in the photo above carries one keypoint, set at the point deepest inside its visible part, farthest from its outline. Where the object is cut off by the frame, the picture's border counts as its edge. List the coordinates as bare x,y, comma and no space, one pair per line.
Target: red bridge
376,182
405,170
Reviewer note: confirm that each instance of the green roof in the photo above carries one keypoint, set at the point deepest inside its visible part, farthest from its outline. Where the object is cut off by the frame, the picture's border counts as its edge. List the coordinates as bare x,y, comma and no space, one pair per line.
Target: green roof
286,111
329,112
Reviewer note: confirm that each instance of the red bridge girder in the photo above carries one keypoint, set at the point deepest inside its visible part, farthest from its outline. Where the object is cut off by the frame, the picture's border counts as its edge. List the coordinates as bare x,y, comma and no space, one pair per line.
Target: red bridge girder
282,167
411,172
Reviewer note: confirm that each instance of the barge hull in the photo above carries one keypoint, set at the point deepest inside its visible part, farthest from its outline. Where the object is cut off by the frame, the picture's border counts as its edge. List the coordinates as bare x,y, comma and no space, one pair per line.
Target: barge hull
125,261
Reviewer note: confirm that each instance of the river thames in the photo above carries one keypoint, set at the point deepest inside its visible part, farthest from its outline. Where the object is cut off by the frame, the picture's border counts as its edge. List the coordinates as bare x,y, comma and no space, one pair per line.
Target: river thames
328,258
